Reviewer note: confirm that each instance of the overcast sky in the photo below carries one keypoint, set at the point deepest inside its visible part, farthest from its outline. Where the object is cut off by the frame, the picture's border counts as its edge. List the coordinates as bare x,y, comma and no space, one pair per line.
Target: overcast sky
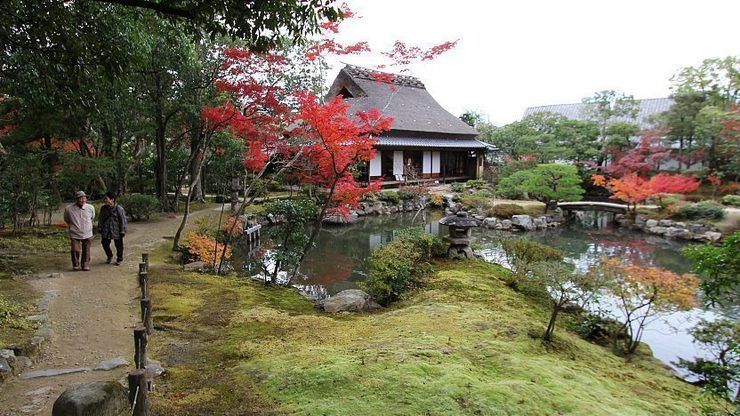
521,53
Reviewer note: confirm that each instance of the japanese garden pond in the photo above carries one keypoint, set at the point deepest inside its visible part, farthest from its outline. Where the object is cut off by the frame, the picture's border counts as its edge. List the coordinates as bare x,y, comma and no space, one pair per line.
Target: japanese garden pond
337,262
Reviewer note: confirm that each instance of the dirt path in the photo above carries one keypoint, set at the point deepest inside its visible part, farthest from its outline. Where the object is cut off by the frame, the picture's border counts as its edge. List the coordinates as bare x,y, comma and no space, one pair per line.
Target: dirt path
91,316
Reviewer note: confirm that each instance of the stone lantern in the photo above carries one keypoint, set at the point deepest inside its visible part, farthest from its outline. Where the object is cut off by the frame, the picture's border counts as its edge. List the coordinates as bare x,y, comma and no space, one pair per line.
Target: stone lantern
460,237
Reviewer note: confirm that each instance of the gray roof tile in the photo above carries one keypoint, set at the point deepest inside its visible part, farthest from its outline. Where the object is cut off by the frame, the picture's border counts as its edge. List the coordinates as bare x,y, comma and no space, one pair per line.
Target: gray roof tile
648,107
463,143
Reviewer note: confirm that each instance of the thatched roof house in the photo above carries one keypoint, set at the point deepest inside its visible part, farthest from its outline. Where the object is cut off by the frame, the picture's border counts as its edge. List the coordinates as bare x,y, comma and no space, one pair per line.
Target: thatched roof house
426,142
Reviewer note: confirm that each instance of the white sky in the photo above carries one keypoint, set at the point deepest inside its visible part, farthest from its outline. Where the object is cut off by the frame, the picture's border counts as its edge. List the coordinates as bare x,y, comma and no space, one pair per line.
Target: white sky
520,53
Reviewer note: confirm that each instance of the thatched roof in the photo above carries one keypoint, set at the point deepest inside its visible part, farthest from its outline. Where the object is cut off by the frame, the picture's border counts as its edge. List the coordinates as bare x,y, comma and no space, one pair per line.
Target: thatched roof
577,111
402,97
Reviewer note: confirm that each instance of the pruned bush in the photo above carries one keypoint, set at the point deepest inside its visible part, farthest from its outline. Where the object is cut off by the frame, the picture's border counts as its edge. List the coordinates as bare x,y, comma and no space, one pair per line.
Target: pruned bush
437,201
522,254
733,200
457,187
391,269
506,210
394,267
480,200
707,210
390,197
476,183
429,245
139,206
406,195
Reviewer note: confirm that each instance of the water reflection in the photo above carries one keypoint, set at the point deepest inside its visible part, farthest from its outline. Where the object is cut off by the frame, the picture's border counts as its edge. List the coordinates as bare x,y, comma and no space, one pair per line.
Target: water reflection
338,262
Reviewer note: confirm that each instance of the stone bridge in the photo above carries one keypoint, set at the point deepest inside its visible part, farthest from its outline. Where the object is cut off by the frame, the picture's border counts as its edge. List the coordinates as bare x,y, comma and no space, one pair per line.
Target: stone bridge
593,206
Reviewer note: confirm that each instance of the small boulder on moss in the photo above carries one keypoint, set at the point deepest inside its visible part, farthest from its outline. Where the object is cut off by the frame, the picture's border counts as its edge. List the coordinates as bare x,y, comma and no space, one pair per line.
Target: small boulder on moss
351,300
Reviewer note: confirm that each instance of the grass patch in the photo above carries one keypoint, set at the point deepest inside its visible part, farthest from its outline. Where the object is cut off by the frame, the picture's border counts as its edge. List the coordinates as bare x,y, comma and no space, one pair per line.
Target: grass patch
33,251
464,344
17,302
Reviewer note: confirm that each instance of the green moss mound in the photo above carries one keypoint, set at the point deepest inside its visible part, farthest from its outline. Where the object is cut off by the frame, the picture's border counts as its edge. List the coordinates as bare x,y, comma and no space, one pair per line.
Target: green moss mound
465,344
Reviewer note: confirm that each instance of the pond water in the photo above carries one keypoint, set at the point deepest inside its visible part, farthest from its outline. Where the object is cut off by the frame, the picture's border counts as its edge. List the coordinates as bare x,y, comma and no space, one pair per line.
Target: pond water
338,262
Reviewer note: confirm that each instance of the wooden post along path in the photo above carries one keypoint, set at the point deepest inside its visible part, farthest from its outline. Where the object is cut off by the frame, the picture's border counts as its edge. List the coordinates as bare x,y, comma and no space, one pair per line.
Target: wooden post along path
144,279
140,340
138,393
146,315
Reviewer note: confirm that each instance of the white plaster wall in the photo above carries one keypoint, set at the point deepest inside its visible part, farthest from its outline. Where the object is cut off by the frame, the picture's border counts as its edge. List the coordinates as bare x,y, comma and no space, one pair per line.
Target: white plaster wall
375,164
427,162
398,162
435,162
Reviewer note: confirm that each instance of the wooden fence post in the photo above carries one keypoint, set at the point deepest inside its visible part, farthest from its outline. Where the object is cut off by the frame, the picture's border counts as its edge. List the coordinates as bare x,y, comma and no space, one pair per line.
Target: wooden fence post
137,392
140,340
143,280
145,260
146,315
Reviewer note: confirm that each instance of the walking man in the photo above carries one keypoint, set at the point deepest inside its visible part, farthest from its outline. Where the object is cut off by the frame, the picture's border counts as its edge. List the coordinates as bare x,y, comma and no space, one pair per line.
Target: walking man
79,218
112,226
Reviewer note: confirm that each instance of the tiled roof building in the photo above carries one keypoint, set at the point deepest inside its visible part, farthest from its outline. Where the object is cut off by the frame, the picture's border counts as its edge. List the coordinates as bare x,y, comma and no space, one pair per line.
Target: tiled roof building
577,111
425,141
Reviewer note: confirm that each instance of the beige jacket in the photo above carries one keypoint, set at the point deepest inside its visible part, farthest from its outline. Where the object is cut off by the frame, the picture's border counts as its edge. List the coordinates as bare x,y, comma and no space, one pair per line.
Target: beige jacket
80,221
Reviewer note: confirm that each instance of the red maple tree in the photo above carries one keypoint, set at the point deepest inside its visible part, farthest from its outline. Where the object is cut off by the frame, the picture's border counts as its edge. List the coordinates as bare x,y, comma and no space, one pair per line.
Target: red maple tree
634,189
642,159
287,129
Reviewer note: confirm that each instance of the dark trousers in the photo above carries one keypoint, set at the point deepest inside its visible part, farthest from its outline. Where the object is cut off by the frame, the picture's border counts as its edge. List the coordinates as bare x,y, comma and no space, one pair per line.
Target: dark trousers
80,253
119,248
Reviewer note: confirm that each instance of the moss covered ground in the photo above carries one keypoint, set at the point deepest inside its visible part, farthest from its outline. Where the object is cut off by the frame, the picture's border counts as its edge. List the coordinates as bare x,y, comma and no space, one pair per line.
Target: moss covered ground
23,254
464,344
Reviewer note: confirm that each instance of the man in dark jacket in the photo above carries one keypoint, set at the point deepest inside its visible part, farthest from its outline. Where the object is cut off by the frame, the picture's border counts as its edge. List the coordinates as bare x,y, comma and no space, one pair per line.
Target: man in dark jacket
112,226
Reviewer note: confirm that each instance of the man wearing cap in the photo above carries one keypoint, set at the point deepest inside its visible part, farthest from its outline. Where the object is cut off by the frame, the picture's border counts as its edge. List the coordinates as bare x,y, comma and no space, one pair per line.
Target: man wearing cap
79,217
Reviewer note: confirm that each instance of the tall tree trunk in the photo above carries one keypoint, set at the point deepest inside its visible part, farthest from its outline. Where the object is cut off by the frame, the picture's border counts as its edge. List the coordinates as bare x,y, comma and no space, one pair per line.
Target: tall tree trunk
160,163
315,231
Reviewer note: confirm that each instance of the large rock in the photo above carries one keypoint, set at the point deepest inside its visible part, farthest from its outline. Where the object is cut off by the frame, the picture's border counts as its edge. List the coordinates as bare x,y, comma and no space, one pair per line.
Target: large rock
196,266
506,224
686,235
641,220
352,300
539,223
697,228
651,223
111,364
490,222
339,219
522,221
665,223
712,236
99,398
657,230
8,355
5,369
557,216
673,232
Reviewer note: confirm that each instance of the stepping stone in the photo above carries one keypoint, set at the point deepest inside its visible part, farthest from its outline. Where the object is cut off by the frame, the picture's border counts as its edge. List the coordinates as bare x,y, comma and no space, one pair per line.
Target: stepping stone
53,372
111,364
38,276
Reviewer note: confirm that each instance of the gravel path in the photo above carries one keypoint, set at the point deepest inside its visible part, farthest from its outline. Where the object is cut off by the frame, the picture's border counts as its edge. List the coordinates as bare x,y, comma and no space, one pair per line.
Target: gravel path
91,316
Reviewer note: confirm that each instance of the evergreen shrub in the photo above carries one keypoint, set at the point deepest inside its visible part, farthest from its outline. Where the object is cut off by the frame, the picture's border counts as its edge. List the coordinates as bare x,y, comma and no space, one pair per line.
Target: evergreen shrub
139,206
705,210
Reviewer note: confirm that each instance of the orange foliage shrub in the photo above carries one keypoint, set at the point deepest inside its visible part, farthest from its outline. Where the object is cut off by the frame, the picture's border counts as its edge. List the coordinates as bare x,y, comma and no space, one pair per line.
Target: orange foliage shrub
205,248
236,223
644,292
